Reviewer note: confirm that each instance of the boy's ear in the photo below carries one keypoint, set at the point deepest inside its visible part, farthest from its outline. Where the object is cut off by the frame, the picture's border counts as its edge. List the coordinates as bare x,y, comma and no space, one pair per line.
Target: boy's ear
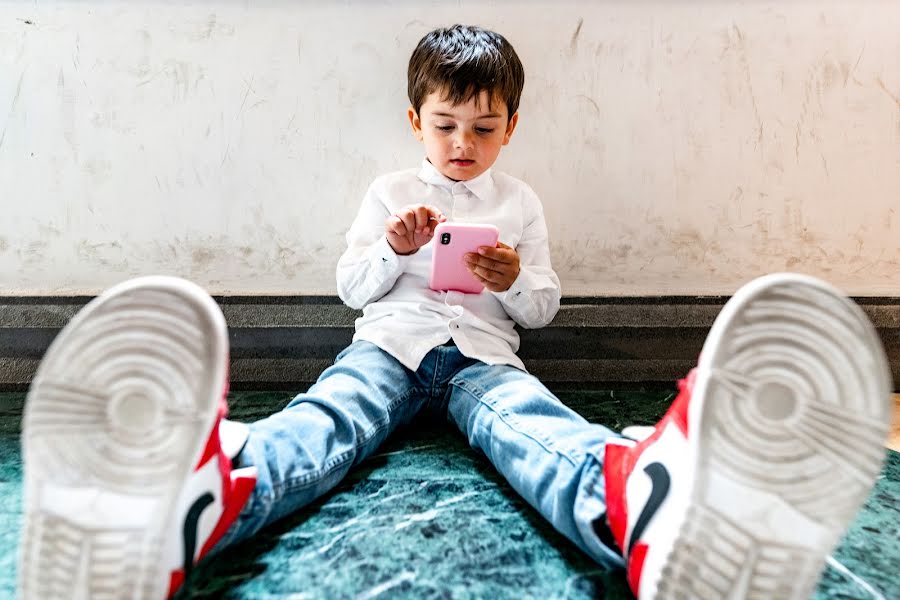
415,122
510,127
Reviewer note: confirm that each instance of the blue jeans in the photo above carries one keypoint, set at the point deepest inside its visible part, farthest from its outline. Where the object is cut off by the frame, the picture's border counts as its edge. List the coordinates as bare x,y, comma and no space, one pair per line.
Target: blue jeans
548,453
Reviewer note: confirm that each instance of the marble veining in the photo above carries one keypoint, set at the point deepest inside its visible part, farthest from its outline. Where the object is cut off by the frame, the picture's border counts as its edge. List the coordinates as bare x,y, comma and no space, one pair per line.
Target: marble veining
428,518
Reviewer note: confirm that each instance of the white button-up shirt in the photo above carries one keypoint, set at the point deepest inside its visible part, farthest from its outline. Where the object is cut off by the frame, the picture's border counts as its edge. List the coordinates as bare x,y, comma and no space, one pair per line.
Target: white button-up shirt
405,317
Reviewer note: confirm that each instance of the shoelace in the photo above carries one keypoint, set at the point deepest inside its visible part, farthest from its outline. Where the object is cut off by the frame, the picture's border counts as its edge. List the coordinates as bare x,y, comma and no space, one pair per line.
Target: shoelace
840,568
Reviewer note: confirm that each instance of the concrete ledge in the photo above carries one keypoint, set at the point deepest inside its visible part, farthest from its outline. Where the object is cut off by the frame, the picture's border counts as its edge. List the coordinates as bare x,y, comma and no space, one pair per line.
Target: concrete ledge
285,342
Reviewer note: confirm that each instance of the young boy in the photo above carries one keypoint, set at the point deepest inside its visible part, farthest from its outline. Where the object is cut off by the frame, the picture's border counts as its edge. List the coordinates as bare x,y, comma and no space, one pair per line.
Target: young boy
133,475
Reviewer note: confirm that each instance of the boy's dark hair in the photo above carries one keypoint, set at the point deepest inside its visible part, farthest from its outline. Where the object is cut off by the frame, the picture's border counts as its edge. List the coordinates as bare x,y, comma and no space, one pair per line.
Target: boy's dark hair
463,61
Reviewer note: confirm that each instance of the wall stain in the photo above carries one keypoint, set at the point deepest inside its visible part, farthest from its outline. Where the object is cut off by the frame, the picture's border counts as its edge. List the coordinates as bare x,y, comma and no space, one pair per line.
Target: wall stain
414,23
573,43
887,91
34,253
688,245
267,253
741,51
102,253
771,234
202,258
591,100
829,75
48,230
246,94
806,109
99,170
12,107
211,26
856,64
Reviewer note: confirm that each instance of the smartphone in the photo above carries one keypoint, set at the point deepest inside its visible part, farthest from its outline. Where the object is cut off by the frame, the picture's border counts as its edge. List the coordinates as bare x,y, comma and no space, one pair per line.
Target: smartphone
451,242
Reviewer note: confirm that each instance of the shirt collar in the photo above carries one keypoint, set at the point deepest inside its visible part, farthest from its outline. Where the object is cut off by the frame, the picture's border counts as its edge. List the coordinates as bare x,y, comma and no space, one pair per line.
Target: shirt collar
482,186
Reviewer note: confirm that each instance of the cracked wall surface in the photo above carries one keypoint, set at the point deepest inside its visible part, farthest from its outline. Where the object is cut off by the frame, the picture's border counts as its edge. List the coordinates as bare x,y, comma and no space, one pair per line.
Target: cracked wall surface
678,147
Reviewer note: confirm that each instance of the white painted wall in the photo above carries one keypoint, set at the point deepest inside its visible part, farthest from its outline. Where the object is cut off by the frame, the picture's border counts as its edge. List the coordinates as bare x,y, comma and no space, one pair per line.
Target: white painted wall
680,147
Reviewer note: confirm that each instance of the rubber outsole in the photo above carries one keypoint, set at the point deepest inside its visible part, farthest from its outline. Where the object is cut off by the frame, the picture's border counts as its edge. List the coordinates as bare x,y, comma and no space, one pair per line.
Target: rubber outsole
115,420
792,402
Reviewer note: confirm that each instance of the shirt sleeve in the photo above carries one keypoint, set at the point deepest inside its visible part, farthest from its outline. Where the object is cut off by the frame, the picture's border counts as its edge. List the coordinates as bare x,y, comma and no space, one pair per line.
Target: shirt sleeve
533,299
369,266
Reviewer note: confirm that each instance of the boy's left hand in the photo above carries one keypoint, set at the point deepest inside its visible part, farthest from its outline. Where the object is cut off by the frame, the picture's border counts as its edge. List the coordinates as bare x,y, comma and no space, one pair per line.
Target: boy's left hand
497,268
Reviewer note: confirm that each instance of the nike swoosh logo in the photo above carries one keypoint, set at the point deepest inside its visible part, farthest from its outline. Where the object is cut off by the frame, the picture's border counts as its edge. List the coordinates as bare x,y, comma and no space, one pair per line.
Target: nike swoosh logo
660,483
189,532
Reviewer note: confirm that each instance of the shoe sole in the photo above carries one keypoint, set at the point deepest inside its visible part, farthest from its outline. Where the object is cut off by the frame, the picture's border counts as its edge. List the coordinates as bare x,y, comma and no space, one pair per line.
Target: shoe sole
115,420
794,405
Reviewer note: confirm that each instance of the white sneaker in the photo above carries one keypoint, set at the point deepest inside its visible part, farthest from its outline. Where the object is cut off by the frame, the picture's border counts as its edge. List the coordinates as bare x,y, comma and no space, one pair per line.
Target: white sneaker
127,485
762,461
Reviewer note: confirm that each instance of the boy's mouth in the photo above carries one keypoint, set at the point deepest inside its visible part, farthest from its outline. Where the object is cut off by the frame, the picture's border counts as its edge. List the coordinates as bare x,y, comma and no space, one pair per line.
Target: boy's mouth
461,162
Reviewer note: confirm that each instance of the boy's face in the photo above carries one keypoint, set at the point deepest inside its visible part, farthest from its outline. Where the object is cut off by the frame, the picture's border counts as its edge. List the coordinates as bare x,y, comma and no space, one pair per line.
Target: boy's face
464,140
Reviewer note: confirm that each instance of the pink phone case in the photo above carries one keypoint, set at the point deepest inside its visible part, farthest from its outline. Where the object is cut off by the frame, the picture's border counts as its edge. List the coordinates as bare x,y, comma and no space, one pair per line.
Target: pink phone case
451,242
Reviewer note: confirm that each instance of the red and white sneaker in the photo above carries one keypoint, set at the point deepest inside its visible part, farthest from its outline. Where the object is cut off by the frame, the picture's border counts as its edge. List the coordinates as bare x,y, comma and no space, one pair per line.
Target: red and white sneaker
127,484
763,459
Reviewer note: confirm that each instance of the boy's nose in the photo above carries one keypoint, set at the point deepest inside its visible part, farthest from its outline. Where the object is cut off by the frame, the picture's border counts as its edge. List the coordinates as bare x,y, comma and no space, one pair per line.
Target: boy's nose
463,141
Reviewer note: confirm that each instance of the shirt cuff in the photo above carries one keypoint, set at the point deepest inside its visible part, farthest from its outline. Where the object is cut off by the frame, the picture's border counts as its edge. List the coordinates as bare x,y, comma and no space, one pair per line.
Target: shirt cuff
384,260
517,294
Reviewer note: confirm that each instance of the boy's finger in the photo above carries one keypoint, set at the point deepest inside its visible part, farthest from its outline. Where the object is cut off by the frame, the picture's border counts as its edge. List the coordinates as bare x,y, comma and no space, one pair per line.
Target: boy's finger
396,225
435,213
493,272
408,218
485,263
480,278
486,274
421,217
504,255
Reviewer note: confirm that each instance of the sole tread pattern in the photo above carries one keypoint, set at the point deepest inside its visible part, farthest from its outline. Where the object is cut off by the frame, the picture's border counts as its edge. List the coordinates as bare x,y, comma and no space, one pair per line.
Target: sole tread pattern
114,420
793,408
715,558
150,365
794,387
98,563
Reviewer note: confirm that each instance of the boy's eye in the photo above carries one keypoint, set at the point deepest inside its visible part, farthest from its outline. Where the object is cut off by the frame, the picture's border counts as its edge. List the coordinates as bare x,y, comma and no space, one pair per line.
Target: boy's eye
484,129
445,127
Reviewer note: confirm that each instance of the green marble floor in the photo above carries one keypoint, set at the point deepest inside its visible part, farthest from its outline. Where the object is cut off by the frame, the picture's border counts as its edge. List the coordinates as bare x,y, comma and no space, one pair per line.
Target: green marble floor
428,518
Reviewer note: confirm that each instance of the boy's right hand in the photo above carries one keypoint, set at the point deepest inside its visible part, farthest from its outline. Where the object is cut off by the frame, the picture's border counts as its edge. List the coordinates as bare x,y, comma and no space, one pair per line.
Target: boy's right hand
412,227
